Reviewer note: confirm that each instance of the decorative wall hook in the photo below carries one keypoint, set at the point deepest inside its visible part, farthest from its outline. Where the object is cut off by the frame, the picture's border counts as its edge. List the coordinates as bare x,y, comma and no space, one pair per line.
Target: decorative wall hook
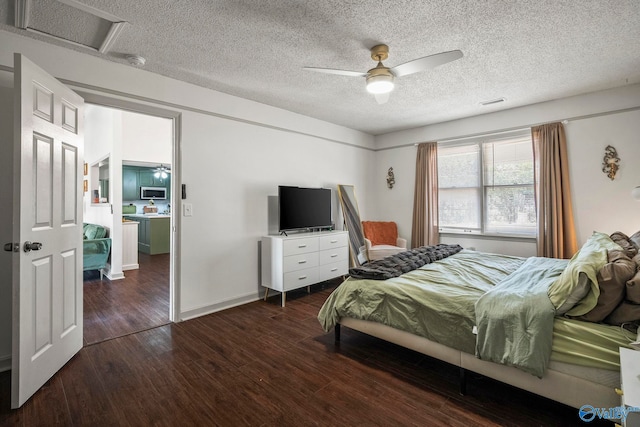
391,180
610,162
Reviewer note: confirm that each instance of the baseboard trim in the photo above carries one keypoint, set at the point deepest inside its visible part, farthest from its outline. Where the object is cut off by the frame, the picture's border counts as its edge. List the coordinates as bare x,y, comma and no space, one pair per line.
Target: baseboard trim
130,267
223,305
5,363
116,276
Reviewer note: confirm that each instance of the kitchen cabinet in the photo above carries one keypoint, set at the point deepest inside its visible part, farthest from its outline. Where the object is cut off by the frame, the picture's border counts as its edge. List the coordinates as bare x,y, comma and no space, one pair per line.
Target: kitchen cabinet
134,177
154,233
146,178
130,187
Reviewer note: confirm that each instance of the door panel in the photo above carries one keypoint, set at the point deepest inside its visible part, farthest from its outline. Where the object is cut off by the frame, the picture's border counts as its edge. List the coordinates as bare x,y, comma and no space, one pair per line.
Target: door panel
47,279
69,290
40,308
43,176
69,180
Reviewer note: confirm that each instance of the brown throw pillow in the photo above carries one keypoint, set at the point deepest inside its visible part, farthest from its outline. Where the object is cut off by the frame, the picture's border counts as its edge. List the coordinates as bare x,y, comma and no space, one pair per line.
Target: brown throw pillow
633,289
612,280
624,313
625,242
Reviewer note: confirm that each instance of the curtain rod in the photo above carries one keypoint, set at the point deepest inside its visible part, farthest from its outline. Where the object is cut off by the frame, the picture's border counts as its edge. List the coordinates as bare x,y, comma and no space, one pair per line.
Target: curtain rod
500,132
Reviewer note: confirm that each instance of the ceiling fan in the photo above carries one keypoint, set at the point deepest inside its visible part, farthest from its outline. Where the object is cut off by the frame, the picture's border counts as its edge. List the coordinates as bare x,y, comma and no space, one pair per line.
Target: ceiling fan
380,79
161,171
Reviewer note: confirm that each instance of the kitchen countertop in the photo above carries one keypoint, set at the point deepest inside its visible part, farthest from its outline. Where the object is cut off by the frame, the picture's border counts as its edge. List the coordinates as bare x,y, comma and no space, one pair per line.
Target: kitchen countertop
147,215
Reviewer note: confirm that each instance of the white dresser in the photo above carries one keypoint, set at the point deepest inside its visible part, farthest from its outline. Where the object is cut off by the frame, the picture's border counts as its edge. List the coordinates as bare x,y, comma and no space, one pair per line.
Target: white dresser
292,262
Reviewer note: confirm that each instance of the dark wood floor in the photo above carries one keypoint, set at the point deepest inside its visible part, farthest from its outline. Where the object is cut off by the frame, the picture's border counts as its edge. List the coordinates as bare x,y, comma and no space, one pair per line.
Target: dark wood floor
139,301
263,365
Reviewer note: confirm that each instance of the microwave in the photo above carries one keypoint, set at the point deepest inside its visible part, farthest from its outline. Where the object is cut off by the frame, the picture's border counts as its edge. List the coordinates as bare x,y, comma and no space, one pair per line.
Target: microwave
148,193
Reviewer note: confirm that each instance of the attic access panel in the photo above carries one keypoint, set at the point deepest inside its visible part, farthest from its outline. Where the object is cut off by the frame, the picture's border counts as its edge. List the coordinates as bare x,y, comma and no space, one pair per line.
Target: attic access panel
69,21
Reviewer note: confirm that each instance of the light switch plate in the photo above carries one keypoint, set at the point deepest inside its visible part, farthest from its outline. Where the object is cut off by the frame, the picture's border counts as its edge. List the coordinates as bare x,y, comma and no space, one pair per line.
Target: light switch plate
187,209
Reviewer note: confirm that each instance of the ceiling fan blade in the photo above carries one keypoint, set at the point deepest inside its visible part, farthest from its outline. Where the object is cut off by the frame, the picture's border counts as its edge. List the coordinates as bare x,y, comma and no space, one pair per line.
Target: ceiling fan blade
333,71
382,98
426,63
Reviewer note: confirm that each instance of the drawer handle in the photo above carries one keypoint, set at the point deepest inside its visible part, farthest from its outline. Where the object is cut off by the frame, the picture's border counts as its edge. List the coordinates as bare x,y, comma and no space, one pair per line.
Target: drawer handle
334,255
302,246
304,261
334,269
334,241
302,277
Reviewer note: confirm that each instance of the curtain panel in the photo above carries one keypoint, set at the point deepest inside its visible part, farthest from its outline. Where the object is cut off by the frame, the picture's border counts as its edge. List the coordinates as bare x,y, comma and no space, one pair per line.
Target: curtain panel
424,228
556,228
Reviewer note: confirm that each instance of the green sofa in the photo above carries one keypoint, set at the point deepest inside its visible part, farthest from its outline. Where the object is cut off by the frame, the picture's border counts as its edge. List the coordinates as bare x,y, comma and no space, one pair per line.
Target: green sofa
96,247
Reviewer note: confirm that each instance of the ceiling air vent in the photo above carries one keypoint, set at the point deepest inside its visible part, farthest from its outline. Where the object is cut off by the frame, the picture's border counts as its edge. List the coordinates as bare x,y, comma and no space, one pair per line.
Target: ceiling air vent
69,21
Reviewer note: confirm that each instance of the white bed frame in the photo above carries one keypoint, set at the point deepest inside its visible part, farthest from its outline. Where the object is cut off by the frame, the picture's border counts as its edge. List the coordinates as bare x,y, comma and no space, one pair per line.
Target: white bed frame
558,386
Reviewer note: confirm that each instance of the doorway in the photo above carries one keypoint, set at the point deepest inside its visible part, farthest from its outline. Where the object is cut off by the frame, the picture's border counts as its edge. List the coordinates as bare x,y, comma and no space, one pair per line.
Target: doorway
137,291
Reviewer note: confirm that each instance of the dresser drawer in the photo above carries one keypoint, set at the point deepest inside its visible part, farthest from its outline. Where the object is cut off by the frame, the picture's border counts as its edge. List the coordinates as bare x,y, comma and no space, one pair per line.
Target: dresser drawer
329,271
333,255
299,262
337,240
300,246
300,278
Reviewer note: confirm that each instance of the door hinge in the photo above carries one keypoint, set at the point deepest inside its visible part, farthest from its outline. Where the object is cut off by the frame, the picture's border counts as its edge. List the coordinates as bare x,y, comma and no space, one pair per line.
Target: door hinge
12,247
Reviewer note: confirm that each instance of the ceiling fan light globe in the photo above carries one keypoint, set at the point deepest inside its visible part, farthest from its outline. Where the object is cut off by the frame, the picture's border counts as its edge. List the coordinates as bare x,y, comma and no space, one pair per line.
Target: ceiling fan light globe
380,84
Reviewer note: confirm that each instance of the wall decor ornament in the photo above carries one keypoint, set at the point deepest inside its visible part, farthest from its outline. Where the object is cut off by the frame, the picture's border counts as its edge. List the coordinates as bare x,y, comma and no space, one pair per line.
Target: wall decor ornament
391,179
610,162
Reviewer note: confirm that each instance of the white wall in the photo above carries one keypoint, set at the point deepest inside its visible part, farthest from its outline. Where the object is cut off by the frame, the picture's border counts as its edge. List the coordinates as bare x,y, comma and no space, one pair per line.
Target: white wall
391,204
236,169
146,138
598,203
601,204
103,130
6,219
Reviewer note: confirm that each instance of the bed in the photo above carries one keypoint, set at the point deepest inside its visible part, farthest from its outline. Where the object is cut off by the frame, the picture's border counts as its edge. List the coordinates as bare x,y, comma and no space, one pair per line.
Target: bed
508,318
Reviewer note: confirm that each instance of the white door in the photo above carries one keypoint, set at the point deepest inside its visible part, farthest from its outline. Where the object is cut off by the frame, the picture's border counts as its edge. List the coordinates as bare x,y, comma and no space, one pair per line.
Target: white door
47,221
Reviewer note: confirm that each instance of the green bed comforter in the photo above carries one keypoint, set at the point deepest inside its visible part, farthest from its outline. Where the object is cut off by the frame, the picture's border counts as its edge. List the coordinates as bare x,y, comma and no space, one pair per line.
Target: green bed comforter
438,301
435,301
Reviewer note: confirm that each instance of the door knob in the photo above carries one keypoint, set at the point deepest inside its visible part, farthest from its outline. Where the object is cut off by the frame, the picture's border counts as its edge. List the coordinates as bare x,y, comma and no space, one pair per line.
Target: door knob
32,246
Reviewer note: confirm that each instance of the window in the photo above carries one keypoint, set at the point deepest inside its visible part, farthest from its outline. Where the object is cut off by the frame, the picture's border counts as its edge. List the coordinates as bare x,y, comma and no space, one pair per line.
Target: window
486,186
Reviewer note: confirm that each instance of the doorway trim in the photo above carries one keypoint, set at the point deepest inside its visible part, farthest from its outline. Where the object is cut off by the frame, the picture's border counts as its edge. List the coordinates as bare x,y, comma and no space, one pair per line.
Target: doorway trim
176,179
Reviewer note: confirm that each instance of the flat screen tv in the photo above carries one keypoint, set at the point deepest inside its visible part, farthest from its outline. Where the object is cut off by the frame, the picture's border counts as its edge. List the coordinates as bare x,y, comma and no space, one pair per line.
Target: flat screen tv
302,208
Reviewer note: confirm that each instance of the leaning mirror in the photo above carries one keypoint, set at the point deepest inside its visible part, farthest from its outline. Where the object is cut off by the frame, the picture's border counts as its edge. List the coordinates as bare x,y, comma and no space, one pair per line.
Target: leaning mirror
351,217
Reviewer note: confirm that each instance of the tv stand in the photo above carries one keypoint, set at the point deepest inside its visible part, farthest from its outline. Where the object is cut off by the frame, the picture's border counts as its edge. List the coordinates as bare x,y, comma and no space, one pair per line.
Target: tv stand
303,259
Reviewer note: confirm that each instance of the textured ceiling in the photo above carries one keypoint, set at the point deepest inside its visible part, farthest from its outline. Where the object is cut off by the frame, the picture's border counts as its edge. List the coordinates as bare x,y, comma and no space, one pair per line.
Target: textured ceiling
523,51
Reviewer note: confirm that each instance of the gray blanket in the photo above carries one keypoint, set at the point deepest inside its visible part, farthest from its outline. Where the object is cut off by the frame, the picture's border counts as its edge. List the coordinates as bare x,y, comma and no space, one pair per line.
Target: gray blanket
395,265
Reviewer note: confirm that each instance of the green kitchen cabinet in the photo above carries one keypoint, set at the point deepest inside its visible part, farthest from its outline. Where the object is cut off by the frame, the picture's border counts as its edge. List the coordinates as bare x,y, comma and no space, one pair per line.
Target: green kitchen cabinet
130,187
134,177
154,234
146,178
